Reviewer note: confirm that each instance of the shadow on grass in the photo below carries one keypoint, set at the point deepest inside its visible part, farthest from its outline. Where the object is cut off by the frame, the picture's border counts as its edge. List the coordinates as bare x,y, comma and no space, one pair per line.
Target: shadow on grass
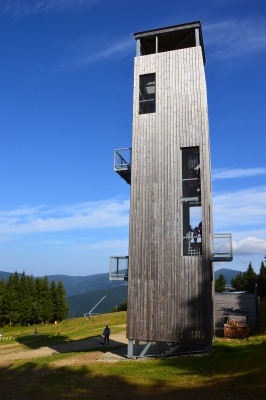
228,372
34,342
62,344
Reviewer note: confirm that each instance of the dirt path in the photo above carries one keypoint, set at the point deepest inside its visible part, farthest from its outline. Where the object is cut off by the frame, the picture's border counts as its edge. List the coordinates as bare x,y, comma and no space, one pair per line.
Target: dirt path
13,352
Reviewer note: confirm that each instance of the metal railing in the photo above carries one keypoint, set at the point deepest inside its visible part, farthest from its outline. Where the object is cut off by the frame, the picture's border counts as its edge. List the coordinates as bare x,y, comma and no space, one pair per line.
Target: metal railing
118,268
122,159
221,245
122,163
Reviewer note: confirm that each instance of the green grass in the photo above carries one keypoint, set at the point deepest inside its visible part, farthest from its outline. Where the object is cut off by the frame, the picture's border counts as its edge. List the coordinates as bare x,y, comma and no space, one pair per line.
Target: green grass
234,370
70,329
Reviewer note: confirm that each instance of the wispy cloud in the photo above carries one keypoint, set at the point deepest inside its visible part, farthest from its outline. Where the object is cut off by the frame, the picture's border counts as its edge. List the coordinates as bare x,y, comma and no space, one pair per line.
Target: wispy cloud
88,56
242,213
227,173
91,215
24,7
240,210
114,245
235,38
225,40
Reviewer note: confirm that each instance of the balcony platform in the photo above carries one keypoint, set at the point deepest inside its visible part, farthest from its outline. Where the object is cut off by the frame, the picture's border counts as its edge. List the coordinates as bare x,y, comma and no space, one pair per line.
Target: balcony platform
122,163
118,268
222,247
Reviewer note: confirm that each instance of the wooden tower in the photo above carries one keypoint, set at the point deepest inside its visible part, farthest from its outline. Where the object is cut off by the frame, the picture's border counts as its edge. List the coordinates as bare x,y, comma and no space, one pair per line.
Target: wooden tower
170,273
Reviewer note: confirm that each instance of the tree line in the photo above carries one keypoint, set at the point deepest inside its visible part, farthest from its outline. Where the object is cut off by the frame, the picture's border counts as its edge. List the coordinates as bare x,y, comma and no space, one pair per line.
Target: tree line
247,281
26,300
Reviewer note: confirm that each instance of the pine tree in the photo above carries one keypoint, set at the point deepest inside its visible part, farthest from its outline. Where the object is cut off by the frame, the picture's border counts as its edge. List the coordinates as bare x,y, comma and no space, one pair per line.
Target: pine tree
2,301
34,301
245,281
25,305
262,280
239,282
122,306
44,308
48,304
61,306
27,299
252,279
53,298
220,284
12,300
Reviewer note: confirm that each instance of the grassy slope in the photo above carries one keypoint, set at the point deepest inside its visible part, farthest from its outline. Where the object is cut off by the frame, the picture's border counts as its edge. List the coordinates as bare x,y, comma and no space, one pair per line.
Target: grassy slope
233,370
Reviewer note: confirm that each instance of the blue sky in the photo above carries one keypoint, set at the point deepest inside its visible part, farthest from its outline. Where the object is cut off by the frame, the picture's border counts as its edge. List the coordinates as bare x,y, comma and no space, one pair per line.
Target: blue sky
66,87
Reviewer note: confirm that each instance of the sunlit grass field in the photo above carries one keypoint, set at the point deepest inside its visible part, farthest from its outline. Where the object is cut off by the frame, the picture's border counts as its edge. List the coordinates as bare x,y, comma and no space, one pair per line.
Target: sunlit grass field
234,369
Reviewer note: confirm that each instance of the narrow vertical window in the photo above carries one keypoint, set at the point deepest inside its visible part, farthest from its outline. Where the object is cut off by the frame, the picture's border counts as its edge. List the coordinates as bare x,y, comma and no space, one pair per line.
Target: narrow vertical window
147,94
191,202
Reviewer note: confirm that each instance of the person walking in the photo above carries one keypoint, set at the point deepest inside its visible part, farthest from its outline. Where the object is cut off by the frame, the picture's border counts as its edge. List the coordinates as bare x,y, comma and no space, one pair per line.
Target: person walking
106,334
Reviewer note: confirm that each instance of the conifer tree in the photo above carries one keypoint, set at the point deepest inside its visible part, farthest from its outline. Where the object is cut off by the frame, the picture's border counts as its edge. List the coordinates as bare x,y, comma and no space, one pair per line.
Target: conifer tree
33,297
44,306
239,282
27,299
48,304
122,306
262,280
2,301
12,300
61,306
245,281
220,284
43,301
252,279
53,298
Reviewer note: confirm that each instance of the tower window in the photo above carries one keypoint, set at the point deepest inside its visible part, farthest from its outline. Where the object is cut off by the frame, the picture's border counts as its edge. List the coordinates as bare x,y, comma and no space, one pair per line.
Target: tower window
191,202
147,94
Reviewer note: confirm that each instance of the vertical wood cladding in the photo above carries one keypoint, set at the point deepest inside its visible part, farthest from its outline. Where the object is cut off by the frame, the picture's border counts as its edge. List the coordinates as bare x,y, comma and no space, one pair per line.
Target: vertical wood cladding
170,295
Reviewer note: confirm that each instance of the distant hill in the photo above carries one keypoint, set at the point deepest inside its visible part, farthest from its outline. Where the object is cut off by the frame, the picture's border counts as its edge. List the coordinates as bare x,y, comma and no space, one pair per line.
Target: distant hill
76,285
115,295
5,275
83,303
79,284
228,274
84,292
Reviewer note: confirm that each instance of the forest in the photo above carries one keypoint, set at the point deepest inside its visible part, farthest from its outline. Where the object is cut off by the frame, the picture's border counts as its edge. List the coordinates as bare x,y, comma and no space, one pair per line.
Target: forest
247,281
25,300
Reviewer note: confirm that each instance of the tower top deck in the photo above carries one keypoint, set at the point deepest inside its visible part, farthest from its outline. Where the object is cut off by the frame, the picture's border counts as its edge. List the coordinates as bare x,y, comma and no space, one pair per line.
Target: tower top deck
170,38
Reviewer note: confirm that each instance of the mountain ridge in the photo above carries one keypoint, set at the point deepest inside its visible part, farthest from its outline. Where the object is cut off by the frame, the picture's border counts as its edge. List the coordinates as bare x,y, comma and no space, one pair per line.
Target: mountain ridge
75,285
84,292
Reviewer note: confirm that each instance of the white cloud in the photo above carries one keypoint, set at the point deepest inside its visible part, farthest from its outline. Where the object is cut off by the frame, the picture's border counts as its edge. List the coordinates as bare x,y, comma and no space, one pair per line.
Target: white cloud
227,173
235,38
91,215
240,212
250,245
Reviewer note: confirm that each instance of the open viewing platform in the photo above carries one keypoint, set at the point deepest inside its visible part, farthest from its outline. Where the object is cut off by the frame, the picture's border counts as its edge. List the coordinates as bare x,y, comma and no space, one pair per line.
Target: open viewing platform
118,268
221,252
122,163
222,249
